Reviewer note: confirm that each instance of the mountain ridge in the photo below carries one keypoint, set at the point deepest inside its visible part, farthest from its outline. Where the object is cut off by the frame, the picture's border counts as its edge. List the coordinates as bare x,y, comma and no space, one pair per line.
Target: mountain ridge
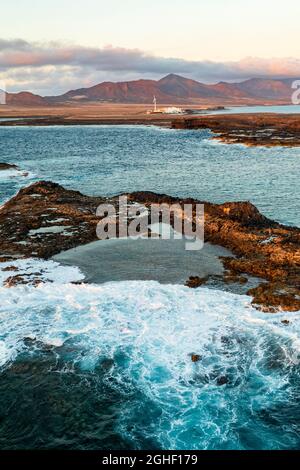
172,88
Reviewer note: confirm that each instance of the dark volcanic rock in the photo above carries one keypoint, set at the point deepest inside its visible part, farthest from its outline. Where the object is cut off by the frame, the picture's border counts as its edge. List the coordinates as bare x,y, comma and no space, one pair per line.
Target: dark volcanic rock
45,205
28,279
262,247
250,129
195,357
272,296
7,166
15,280
10,268
223,380
195,281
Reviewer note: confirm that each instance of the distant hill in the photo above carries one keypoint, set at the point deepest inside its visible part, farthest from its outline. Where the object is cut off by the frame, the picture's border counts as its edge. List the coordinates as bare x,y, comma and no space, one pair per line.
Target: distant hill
172,89
25,98
267,89
179,90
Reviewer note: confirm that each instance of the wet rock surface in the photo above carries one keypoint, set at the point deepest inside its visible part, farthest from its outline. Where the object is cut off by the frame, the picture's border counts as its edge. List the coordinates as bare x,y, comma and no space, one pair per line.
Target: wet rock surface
195,281
7,166
45,219
195,357
267,130
29,222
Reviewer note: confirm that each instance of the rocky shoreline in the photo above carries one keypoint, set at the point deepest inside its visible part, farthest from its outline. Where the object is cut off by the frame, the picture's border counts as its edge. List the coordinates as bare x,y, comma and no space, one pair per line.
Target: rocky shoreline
44,219
263,129
267,130
154,120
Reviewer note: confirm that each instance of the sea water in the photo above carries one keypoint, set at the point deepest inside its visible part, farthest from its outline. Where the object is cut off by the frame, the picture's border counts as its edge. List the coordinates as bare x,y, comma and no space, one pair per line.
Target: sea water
109,366
107,160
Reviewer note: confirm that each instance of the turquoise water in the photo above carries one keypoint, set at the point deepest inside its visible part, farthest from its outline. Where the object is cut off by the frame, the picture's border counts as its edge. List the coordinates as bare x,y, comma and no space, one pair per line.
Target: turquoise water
110,159
108,366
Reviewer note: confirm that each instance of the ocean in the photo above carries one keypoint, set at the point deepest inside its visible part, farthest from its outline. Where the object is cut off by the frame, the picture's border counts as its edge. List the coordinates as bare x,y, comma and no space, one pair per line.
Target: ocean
108,366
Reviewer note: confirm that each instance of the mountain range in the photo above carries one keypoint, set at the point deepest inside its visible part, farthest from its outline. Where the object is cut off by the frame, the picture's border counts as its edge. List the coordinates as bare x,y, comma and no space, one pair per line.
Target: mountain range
172,89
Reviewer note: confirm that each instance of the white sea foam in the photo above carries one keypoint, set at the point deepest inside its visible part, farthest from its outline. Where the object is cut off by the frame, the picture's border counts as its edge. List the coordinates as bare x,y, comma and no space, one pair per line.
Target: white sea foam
50,229
4,354
48,271
18,177
167,314
155,328
174,316
13,173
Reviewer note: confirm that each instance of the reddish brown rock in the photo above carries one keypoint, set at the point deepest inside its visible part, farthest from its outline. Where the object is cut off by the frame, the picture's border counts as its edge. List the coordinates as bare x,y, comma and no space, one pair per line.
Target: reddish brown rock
39,206
195,281
10,268
19,279
260,246
195,357
271,296
15,280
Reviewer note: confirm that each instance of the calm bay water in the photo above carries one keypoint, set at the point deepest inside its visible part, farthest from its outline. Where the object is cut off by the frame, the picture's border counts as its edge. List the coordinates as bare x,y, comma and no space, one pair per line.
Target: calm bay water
281,109
109,366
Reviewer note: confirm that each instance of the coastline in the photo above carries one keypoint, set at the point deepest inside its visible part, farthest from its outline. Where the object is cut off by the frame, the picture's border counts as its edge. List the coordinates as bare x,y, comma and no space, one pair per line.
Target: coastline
266,130
49,219
250,129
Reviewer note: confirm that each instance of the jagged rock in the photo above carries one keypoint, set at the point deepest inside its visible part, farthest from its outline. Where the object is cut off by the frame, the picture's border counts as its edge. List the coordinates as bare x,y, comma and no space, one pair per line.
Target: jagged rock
275,296
232,277
10,268
21,279
8,166
14,281
195,357
26,212
6,259
249,129
223,380
195,281
260,246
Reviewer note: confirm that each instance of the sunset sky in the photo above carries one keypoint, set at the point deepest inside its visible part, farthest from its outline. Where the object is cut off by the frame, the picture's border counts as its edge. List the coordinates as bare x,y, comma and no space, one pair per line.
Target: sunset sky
51,46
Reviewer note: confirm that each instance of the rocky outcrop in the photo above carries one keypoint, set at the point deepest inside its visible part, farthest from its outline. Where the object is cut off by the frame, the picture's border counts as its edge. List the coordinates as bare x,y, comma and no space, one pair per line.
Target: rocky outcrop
7,166
267,130
45,218
29,221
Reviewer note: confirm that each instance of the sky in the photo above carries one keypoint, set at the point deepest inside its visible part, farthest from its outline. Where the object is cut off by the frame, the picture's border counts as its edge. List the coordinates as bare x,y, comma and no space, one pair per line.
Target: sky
54,45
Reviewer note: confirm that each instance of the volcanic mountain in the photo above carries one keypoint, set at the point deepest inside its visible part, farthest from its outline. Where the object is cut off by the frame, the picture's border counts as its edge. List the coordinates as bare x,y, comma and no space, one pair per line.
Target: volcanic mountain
176,89
24,98
172,89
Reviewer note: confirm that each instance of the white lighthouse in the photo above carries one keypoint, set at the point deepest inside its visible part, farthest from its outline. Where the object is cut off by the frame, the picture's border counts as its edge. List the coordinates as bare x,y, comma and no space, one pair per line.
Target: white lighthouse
155,104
